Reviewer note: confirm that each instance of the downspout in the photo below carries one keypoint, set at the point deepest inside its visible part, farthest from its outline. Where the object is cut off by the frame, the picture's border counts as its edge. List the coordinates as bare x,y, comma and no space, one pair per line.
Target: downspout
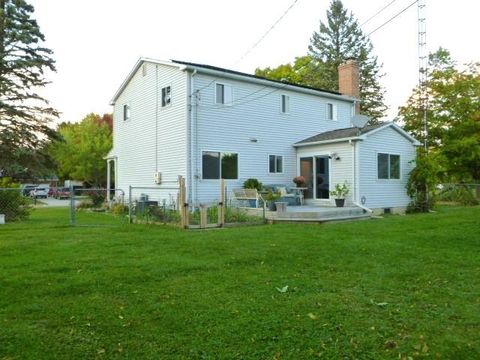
193,108
156,118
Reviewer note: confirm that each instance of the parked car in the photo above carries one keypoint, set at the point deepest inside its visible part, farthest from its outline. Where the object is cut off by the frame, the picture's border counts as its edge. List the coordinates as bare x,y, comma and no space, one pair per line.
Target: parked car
62,193
27,189
39,192
52,191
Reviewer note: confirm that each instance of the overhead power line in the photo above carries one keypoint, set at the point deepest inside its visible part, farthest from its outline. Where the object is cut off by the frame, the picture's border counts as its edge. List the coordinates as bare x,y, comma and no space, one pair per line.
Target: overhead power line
377,13
392,18
266,33
258,41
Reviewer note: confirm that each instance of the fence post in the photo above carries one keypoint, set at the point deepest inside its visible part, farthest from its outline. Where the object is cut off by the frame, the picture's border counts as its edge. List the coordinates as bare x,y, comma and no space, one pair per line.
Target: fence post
203,216
183,203
221,204
129,204
72,206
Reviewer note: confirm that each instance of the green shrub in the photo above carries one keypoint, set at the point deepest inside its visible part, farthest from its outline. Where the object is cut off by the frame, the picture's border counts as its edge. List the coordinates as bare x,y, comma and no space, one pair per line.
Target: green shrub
13,204
252,183
119,209
461,194
97,196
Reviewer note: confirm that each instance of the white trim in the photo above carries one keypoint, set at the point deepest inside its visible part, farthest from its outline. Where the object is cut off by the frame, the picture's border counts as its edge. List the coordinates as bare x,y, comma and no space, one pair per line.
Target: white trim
328,141
396,127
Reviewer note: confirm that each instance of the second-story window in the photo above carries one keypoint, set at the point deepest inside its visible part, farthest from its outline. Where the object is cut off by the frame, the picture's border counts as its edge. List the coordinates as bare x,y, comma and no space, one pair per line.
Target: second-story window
166,96
223,94
285,104
126,112
331,112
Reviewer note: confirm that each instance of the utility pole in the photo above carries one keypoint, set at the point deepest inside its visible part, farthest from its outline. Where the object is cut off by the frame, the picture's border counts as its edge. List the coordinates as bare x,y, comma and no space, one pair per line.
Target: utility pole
423,68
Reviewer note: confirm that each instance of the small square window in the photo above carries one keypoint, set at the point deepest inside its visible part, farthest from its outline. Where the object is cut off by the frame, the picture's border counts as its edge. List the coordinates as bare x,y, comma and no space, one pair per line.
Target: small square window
275,164
126,112
166,96
217,165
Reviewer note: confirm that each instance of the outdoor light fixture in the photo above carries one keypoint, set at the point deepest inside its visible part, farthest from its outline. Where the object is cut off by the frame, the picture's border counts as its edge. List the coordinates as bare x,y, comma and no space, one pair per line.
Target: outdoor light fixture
334,156
254,140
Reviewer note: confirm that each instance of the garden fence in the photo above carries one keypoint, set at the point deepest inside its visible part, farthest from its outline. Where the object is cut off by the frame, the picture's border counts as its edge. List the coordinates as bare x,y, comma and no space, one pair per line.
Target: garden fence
463,194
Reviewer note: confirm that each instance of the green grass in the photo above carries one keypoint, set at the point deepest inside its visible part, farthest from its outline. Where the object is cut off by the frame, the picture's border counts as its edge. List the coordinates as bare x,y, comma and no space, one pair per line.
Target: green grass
403,286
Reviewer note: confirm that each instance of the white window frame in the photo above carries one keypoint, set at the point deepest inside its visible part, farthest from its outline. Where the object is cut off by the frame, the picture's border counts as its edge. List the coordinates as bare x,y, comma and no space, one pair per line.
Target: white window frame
287,104
388,168
161,96
220,171
276,156
226,101
334,111
126,112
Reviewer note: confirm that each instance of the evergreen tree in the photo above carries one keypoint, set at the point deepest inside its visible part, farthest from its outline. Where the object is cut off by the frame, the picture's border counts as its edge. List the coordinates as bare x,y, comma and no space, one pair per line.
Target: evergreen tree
339,39
24,114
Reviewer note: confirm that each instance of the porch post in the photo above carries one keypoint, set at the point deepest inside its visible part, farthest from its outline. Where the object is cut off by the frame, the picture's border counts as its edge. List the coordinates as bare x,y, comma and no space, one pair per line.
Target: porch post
108,180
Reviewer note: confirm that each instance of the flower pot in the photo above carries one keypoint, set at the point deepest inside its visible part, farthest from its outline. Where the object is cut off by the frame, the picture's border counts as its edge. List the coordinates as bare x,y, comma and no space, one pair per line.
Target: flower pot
340,202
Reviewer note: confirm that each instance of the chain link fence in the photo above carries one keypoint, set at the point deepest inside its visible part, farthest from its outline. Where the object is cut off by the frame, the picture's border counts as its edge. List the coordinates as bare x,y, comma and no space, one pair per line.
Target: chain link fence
14,205
463,194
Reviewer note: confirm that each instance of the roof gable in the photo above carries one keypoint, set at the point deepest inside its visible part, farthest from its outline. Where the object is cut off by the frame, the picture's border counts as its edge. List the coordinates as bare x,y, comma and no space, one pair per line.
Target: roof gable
353,133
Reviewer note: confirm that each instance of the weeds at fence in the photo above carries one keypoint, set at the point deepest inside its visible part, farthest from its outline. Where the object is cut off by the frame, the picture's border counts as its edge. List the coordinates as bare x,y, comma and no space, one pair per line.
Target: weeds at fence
464,194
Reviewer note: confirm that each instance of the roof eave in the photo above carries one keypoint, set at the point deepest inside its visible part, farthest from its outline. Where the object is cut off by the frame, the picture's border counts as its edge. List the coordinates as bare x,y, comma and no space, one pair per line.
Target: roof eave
139,63
351,138
266,82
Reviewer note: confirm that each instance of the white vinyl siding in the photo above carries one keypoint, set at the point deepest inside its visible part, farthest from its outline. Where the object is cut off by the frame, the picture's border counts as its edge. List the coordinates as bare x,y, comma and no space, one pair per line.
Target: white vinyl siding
139,153
255,115
381,193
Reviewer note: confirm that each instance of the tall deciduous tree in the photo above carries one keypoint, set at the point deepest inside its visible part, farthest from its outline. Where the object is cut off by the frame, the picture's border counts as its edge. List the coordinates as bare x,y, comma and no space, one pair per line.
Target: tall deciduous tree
338,39
453,115
24,114
80,154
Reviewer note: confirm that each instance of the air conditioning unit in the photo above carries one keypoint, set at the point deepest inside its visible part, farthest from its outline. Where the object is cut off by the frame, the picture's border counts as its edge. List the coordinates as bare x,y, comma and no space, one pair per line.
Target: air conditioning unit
157,177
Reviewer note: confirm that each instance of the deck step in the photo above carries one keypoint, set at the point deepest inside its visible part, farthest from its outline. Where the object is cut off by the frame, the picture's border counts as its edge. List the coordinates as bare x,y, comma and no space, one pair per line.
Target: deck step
323,219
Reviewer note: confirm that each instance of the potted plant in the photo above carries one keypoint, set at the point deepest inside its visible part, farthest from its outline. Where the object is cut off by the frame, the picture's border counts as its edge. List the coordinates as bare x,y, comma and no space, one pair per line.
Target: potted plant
271,197
340,193
252,183
299,181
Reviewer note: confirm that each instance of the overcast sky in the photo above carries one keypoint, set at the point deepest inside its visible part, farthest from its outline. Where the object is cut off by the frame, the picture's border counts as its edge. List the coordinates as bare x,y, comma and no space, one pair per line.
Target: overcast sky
97,42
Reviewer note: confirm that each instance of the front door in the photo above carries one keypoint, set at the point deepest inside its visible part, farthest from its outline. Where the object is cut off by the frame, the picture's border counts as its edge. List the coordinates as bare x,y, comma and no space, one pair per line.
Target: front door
315,170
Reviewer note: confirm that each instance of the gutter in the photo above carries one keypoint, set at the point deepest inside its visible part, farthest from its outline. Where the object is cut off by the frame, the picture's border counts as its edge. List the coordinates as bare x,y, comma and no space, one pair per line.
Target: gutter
330,141
220,74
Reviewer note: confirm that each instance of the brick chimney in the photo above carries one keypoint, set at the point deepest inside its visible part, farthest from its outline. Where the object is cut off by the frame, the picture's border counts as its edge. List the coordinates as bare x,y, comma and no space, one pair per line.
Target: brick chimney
349,80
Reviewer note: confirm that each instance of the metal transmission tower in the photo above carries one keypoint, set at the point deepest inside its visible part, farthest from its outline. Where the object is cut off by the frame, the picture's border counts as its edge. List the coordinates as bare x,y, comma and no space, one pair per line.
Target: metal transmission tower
423,67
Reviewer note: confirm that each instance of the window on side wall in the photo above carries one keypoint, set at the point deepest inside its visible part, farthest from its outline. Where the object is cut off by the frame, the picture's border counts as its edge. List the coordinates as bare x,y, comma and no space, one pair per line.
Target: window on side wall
223,94
126,112
218,165
388,166
285,104
331,112
275,164
166,96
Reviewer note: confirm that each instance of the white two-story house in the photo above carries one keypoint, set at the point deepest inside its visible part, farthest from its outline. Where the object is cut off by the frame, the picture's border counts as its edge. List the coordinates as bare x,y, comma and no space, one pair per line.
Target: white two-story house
206,123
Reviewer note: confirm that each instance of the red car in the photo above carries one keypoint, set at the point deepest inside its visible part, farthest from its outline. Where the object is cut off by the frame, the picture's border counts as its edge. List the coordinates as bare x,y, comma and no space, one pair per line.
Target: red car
62,193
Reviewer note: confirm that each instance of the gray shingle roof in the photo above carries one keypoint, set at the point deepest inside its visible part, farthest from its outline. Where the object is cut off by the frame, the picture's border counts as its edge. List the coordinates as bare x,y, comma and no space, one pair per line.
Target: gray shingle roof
340,134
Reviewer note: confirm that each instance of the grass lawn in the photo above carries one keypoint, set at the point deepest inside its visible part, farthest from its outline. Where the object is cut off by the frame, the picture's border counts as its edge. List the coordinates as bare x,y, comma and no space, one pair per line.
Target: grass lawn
400,287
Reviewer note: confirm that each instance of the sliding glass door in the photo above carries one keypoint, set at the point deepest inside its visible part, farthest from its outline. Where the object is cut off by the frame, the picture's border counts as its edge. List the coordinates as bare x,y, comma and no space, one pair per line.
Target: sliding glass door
316,171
